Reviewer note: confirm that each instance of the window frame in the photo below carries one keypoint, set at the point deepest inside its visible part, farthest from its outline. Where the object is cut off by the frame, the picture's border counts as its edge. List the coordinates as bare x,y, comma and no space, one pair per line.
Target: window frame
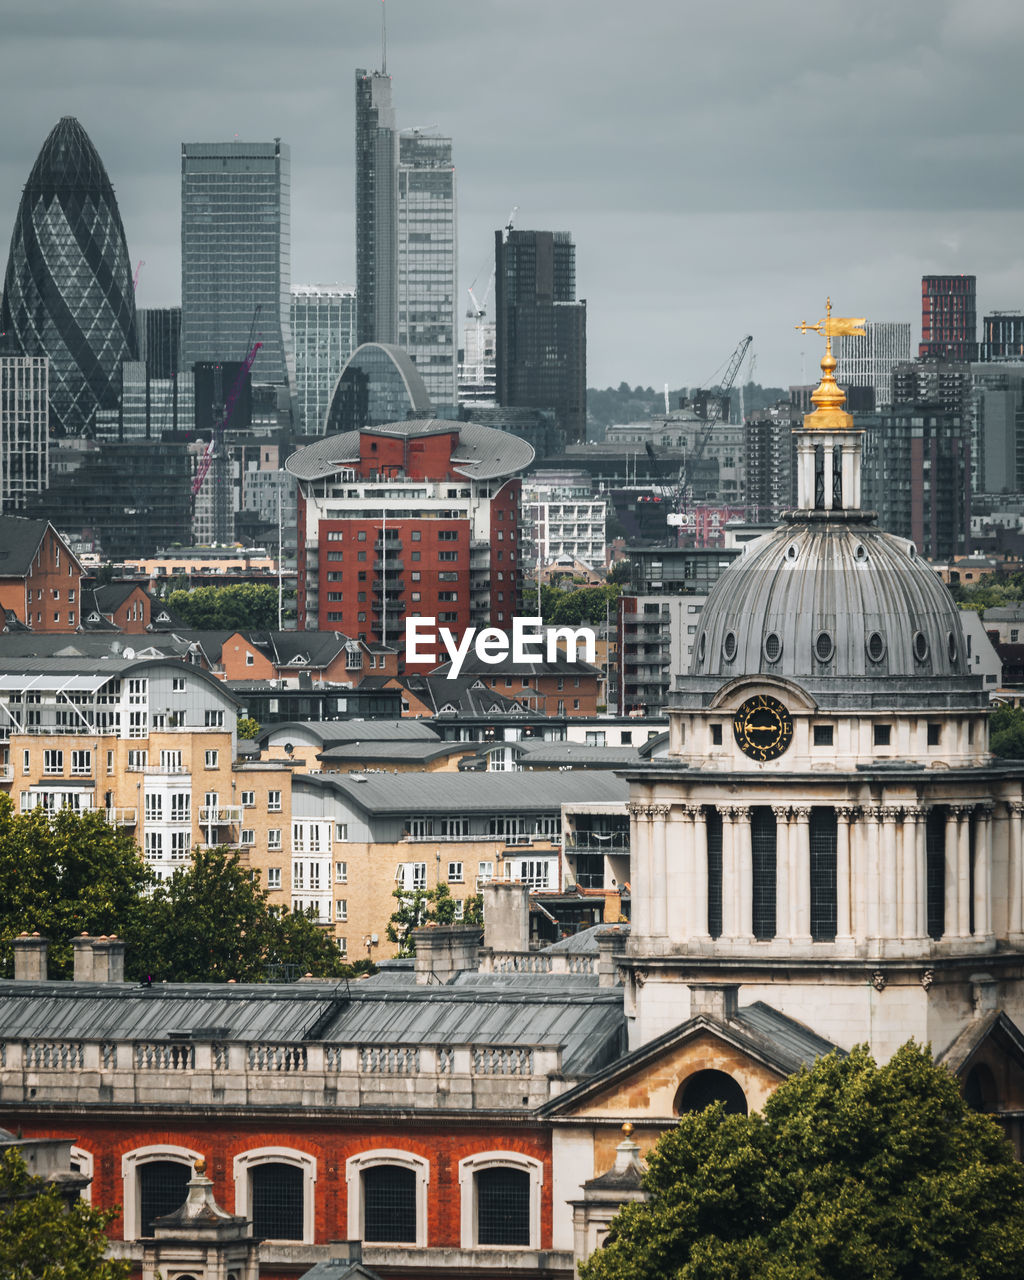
131,1196
243,1164
470,1166
354,1168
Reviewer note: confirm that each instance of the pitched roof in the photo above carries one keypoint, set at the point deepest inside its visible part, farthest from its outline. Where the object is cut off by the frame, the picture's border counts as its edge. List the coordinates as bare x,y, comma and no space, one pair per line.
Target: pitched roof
384,752
333,733
19,542
561,666
466,696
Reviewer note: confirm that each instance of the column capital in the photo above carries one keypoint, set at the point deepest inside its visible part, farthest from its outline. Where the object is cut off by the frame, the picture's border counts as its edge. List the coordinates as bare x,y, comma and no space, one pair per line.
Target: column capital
1015,806
846,812
781,812
728,811
961,810
742,812
636,810
985,809
802,813
873,812
915,813
890,812
695,812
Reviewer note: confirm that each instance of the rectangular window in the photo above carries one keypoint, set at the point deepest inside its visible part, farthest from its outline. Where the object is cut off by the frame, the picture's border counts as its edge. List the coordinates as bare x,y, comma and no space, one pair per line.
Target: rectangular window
341,909
154,807
274,801
53,762
273,877
214,719
248,836
934,734
823,735
211,760
455,875
180,841
716,735
81,763
454,828
882,734
170,760
137,761
341,873
248,799
137,724
110,762
274,838
154,844
484,872
341,831
178,684
181,806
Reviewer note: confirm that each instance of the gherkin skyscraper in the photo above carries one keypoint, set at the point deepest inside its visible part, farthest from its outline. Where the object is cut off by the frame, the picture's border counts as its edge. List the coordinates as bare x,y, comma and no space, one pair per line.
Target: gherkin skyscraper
68,289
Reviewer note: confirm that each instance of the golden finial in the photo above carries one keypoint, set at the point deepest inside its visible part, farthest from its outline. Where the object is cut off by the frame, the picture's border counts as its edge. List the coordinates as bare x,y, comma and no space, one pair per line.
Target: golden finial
828,397
200,1166
627,1129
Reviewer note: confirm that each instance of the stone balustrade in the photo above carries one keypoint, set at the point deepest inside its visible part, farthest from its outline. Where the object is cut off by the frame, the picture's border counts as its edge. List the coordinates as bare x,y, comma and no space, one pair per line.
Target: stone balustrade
537,962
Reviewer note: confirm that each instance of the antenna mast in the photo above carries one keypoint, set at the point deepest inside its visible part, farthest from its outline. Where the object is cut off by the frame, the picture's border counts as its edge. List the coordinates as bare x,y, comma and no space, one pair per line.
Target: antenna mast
383,38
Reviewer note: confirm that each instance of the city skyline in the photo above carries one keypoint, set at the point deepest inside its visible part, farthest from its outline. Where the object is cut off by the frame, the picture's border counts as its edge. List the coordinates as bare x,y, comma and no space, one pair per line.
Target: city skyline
733,177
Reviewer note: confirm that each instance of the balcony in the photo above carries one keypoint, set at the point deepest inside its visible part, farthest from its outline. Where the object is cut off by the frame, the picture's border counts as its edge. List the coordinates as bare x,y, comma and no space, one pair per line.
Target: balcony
156,769
6,772
220,816
122,817
597,842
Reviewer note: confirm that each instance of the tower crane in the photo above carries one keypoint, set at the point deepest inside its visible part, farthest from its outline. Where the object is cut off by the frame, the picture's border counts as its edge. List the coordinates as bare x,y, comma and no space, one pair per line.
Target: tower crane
138,272
477,310
714,412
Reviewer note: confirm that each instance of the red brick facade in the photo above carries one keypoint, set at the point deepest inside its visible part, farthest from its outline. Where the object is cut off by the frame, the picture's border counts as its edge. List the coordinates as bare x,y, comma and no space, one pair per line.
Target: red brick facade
48,597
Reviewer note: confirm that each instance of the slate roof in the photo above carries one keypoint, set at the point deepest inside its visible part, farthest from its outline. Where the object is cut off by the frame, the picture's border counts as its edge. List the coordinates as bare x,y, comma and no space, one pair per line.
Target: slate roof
586,1021
113,594
557,755
468,695
98,644
335,732
19,542
422,793
404,752
584,943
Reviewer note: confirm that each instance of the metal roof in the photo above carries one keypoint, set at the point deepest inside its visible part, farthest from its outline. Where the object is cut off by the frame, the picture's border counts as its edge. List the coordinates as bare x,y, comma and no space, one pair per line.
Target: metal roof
793,1045
403,752
335,732
568,1012
471,792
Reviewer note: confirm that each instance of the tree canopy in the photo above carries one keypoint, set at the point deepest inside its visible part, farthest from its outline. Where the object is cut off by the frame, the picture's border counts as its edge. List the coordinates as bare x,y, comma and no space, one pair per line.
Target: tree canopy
42,1238
852,1172
75,873
1006,727
245,606
571,606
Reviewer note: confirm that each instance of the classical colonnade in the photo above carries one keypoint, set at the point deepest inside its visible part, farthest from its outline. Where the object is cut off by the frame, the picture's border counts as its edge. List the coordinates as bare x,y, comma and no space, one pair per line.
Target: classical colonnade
879,888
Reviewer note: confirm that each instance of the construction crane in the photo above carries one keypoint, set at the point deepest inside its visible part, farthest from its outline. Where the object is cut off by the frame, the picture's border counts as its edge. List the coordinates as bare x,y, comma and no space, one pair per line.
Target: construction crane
477,310
714,412
206,462
138,272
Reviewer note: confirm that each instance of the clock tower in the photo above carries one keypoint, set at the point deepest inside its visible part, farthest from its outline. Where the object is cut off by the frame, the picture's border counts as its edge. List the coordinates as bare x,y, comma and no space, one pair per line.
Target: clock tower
828,834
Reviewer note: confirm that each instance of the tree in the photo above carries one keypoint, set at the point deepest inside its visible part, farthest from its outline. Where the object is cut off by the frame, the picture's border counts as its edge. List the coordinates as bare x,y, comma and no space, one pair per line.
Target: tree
245,606
42,1238
66,875
852,1172
1006,728
429,906
248,728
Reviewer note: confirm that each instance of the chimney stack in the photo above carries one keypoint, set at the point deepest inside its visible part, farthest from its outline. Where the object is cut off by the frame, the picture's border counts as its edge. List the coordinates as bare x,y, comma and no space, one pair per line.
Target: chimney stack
506,916
30,953
98,959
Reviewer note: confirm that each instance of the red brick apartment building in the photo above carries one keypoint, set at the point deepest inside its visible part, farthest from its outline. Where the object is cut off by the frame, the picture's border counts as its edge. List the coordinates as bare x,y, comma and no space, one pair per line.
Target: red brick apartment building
411,518
40,578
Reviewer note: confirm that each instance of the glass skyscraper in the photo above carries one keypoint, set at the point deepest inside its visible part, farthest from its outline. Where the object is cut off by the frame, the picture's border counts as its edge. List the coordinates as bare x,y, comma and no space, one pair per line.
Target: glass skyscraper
68,288
427,261
376,210
236,255
324,331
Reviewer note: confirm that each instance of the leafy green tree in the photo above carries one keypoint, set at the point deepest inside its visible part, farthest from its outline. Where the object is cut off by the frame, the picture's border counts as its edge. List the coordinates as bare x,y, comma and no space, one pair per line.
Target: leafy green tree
852,1172
42,1238
429,906
248,728
1006,727
247,605
212,921
74,873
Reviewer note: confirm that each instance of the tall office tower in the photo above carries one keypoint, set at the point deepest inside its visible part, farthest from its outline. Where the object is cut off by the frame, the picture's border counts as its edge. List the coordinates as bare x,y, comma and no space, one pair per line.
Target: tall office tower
427,261
236,255
770,455
68,289
376,210
541,356
478,383
1002,336
949,317
160,339
324,332
24,429
870,360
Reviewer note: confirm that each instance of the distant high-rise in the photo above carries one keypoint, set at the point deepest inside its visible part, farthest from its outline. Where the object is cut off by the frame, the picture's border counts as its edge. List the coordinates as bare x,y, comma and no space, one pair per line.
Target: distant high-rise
324,332
949,317
236,255
160,340
427,261
1002,336
541,357
376,210
868,361
68,289
24,430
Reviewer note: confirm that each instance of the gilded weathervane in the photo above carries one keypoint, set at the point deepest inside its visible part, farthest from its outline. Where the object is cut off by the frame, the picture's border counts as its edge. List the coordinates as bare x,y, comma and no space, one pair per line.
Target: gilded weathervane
828,398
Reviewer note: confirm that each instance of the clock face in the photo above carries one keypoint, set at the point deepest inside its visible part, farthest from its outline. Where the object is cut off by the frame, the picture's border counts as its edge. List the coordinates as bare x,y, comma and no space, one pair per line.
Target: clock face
763,728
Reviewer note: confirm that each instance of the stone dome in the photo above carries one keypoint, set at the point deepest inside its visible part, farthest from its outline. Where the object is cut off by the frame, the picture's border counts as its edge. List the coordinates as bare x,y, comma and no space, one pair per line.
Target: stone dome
829,601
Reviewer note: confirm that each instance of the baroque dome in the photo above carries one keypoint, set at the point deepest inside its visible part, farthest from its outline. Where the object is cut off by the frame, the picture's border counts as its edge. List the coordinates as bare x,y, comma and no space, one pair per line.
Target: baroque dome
827,600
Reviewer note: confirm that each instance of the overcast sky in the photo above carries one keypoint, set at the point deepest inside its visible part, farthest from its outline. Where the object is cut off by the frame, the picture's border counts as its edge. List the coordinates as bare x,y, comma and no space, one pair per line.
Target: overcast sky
722,165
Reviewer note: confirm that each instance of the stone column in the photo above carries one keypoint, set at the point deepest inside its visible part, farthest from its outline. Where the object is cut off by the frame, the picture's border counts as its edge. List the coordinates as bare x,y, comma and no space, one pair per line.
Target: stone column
730,886
950,878
805,473
699,902
844,918
800,882
782,872
983,873
1015,886
659,870
744,854
963,871
851,494
640,887
913,872
828,461
871,865
679,889
888,877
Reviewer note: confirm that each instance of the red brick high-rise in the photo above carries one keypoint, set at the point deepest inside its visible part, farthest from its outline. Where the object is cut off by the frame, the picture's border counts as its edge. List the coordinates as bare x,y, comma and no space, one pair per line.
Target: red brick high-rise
949,317
410,518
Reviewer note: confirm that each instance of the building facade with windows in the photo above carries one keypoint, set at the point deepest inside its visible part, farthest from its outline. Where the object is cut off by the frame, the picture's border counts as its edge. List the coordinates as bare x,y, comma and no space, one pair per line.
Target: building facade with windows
869,360
324,333
406,519
376,209
949,317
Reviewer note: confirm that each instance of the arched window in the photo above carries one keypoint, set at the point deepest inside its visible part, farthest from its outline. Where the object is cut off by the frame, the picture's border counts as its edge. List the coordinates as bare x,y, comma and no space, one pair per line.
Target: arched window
980,1090
155,1181
707,1087
762,841
501,1200
387,1197
824,910
82,1162
935,874
714,827
275,1187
